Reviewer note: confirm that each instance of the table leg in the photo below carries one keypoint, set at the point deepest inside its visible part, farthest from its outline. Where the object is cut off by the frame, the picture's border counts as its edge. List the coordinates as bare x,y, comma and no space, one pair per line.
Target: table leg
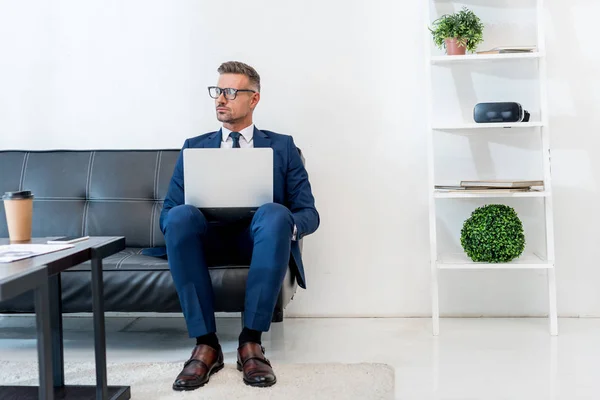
44,341
57,330
99,332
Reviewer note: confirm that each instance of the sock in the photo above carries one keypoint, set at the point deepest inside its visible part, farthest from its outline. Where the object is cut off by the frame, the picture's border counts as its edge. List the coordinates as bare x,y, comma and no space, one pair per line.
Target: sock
209,339
250,335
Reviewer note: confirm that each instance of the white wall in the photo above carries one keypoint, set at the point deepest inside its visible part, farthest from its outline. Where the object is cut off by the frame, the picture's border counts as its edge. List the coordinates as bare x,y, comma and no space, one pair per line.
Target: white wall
346,79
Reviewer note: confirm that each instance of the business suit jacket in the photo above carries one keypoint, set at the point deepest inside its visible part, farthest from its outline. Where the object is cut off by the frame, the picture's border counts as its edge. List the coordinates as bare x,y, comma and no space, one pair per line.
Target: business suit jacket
291,187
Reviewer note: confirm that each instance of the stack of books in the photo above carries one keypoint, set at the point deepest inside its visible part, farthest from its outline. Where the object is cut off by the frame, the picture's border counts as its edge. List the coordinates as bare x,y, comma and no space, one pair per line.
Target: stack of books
495,186
509,50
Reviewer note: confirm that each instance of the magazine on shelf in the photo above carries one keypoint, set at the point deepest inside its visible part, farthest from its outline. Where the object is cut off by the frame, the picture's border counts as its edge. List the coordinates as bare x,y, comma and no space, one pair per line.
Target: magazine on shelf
501,184
509,50
446,188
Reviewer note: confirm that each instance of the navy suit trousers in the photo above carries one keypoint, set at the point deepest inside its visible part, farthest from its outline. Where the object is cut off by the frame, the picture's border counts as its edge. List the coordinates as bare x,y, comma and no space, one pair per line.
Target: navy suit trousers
193,244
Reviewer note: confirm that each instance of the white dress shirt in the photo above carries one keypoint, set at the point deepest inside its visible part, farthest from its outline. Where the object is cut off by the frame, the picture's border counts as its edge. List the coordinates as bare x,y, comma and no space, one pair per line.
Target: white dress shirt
246,142
246,138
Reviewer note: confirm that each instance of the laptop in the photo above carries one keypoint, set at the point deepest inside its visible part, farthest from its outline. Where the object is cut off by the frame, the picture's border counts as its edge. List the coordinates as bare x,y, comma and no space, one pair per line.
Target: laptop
228,184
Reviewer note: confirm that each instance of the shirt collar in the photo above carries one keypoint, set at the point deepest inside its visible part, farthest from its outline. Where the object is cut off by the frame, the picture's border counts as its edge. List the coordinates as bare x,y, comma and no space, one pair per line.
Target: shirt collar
247,133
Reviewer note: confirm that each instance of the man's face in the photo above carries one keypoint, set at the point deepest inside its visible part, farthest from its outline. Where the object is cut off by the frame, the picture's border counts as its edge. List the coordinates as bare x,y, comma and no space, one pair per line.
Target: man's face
232,111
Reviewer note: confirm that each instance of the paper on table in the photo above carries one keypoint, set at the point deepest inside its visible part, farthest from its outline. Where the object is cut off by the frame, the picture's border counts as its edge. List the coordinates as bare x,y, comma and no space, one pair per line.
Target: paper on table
15,252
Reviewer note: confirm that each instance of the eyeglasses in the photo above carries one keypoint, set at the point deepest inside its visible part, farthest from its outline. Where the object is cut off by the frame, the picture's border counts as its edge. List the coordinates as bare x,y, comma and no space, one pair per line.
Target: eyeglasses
229,93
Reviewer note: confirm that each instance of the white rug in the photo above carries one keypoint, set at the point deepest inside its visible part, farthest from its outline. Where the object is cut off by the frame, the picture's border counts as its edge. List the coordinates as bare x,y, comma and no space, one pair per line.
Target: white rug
294,381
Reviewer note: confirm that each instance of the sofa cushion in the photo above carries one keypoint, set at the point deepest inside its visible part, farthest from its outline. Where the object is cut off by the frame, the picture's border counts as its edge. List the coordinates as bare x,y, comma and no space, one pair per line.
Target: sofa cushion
96,193
146,291
131,259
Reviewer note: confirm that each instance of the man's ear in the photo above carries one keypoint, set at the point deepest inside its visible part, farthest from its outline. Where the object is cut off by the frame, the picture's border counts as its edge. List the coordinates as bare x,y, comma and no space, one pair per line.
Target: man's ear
255,100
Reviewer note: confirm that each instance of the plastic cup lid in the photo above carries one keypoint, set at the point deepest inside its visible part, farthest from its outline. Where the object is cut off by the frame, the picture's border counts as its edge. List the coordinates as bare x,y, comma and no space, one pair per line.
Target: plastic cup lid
22,195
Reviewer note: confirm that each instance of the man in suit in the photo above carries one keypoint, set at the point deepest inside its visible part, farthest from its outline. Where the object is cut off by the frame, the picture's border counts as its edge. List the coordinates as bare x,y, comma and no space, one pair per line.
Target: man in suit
269,241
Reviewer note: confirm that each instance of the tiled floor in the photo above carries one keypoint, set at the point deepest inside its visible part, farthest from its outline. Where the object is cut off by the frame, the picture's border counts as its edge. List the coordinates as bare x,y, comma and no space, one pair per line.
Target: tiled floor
487,359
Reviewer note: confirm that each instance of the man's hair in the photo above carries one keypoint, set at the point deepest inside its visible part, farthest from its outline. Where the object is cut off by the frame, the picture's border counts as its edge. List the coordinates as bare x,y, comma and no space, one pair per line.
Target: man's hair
236,67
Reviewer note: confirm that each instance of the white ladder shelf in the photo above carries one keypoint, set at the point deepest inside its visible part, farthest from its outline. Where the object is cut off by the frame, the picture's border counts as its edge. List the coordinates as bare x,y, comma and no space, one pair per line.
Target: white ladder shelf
460,261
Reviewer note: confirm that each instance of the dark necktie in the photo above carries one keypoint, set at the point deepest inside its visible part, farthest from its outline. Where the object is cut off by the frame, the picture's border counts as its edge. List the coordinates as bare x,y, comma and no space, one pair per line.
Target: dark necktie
235,136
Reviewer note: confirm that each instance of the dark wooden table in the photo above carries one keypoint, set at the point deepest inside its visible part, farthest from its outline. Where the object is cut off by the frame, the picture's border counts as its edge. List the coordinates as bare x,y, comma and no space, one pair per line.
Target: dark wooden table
42,275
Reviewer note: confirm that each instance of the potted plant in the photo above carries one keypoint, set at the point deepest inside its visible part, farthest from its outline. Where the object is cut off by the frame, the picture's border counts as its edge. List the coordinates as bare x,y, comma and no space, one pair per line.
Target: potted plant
458,32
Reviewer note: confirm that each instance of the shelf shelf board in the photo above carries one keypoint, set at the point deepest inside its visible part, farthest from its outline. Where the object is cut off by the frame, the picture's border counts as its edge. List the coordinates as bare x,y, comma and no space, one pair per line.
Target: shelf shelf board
494,125
468,58
460,194
461,261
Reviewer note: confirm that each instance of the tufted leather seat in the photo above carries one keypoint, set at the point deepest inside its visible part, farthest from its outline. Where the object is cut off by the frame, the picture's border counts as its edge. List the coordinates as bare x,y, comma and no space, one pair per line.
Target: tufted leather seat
112,193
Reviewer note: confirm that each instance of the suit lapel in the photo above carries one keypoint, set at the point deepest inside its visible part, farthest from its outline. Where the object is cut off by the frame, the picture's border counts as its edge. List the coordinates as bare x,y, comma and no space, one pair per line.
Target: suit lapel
261,139
214,140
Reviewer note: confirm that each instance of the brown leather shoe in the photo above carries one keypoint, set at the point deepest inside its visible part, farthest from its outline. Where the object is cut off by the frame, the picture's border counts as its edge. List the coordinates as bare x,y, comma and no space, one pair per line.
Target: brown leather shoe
196,372
257,369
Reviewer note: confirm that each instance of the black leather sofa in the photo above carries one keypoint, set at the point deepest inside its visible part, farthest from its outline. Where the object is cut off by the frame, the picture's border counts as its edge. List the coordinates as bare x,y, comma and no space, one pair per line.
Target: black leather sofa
112,193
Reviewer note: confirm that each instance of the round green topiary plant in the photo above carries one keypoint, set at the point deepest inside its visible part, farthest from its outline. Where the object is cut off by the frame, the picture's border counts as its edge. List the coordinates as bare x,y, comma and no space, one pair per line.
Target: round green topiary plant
493,234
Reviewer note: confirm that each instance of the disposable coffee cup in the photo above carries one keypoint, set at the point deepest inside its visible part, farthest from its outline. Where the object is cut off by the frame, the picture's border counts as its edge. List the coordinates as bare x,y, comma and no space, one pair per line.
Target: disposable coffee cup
18,207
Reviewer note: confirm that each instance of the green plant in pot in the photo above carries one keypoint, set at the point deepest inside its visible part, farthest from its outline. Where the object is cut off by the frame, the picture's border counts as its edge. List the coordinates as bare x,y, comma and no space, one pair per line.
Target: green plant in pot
493,234
458,32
